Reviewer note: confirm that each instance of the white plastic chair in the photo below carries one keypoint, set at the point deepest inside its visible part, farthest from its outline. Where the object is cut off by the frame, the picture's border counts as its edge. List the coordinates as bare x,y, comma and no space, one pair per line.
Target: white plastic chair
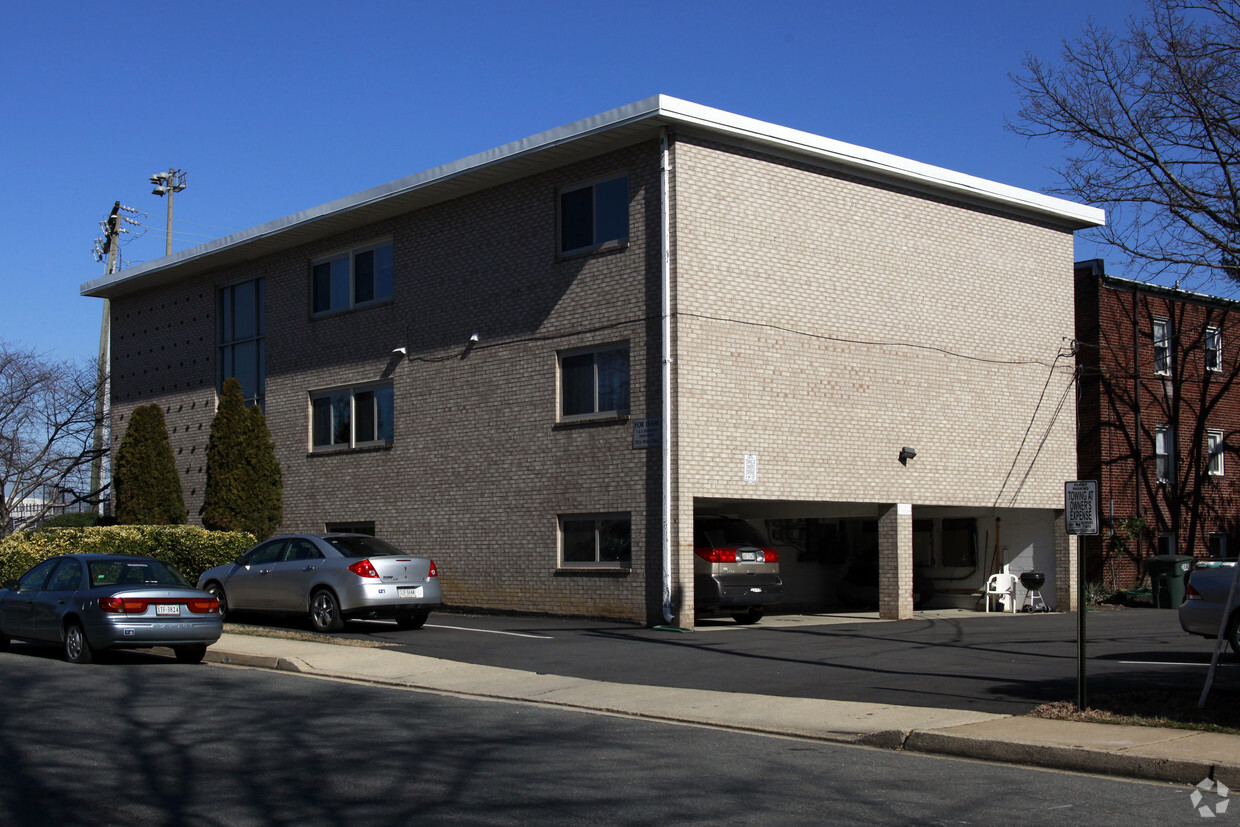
1001,585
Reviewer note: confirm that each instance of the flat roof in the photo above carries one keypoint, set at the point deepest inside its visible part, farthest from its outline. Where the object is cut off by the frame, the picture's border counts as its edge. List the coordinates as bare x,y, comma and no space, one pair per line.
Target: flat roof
581,139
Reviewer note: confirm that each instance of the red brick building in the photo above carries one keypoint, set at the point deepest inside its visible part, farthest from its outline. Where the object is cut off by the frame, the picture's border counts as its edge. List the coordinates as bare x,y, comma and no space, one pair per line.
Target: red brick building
1159,411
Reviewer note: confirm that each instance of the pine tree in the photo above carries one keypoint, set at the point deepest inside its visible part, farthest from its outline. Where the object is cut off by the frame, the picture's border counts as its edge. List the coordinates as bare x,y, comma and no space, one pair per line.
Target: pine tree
244,490
267,500
148,490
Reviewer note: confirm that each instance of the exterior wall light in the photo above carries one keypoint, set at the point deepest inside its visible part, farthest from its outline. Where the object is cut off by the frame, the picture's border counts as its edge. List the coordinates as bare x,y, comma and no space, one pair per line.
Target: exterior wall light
906,453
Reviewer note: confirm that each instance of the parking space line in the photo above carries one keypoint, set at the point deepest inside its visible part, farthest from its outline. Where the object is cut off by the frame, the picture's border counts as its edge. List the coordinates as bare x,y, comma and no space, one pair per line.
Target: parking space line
1165,663
491,631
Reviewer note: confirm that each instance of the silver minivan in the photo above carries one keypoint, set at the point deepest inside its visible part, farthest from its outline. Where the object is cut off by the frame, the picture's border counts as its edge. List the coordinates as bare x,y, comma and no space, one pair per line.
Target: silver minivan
735,569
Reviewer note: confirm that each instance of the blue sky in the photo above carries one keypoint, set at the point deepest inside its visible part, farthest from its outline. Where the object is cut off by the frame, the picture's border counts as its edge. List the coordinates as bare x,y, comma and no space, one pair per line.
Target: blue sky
273,107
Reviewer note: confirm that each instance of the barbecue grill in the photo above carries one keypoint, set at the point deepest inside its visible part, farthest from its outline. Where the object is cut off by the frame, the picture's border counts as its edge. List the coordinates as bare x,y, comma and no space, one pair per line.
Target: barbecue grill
1033,581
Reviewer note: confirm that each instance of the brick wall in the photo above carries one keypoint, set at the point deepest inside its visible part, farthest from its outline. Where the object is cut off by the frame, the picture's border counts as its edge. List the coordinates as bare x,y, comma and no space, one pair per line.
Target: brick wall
1124,401
479,469
825,322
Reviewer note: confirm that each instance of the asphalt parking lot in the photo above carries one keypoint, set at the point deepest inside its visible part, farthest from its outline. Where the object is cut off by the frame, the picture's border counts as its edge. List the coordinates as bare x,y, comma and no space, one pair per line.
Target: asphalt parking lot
951,659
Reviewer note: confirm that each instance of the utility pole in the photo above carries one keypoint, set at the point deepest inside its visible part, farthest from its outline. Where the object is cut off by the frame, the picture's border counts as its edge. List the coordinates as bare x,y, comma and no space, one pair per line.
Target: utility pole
109,247
168,183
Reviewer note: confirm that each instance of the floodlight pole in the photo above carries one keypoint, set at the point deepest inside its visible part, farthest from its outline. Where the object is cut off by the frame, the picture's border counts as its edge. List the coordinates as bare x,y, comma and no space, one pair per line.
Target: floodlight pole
168,183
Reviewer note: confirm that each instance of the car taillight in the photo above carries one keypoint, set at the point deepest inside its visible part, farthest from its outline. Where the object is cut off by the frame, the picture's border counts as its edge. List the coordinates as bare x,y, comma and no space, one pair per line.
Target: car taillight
728,555
123,605
434,572
203,605
1191,594
363,568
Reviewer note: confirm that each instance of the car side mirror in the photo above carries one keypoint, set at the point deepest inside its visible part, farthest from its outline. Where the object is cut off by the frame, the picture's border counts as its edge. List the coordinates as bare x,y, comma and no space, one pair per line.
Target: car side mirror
240,561
11,585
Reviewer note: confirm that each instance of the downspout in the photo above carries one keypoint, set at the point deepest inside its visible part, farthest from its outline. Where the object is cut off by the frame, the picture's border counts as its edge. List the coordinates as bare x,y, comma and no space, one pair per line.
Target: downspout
665,274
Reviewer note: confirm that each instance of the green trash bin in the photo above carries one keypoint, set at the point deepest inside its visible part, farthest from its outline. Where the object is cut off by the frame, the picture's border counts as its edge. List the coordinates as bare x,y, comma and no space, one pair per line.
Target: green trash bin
1168,577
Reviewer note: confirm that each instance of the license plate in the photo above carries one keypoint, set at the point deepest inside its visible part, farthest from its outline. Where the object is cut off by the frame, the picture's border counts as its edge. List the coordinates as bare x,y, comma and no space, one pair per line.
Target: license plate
749,556
167,609
409,591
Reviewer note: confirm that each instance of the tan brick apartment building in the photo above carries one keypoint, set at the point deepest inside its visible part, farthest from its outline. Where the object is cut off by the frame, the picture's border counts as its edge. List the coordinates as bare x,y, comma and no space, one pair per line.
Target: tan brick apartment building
1159,415
472,362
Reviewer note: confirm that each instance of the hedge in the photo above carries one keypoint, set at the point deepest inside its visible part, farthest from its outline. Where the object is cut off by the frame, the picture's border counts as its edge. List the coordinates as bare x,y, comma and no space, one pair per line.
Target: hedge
191,549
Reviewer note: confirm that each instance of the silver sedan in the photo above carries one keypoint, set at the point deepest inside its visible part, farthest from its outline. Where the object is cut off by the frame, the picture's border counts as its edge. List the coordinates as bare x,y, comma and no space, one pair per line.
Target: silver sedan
89,602
328,577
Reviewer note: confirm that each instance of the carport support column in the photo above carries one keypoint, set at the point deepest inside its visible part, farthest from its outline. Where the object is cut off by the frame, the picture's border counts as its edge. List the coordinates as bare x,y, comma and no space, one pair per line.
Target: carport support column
895,561
1066,550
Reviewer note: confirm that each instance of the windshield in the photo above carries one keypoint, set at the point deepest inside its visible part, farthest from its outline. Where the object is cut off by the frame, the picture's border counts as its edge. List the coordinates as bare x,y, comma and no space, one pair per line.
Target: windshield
359,545
135,573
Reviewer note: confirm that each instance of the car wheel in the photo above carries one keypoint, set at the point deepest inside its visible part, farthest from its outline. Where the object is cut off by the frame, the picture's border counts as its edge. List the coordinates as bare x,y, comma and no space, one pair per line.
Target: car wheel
746,618
217,591
1233,633
77,647
191,653
412,621
325,612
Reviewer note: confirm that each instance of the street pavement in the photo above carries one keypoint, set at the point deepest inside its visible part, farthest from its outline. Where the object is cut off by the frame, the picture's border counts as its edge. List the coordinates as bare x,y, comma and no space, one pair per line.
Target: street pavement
1175,755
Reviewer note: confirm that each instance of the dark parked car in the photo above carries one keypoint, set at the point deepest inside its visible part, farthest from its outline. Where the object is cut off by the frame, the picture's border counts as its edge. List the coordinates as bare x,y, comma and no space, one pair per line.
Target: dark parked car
328,577
89,602
735,569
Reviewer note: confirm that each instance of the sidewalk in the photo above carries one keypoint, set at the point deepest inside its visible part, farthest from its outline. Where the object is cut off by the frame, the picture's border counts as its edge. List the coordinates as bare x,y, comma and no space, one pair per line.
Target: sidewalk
1174,755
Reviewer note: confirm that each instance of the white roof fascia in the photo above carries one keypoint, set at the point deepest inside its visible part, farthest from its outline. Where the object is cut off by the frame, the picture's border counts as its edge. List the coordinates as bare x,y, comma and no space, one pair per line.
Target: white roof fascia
660,109
885,164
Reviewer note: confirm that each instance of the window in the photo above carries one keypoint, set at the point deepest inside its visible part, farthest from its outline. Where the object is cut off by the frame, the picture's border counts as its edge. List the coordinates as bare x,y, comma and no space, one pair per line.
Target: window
1162,346
1164,453
1214,450
68,577
358,277
597,541
959,541
594,383
351,417
594,215
242,347
351,528
1218,544
1214,348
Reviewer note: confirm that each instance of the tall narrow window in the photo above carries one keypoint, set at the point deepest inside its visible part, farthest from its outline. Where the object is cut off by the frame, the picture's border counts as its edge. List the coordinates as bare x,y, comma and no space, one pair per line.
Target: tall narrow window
594,383
1162,346
594,215
242,339
1214,348
1164,453
1214,447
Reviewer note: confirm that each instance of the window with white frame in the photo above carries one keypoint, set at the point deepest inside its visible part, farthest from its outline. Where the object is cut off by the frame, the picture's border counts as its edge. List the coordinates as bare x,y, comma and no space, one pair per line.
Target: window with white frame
596,540
594,216
1214,448
1164,453
351,417
1214,348
1162,346
594,382
351,279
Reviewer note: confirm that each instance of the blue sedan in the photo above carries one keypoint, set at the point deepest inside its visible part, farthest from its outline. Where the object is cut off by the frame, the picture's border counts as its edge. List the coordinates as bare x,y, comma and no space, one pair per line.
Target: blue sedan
89,602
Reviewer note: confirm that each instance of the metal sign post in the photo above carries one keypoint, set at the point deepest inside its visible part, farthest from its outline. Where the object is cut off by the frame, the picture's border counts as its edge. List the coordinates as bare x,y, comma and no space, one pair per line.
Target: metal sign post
1080,504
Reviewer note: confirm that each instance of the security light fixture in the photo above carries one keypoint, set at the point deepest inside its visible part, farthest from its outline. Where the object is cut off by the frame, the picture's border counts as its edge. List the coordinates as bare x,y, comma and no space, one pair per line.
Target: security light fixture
906,453
398,350
474,338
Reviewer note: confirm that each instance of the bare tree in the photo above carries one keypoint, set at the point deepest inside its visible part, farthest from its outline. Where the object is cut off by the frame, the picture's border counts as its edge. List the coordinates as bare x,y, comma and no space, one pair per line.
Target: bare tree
47,419
1151,119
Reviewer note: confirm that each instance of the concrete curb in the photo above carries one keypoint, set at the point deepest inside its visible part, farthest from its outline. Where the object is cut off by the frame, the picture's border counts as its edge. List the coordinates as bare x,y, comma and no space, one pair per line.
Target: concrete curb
1147,753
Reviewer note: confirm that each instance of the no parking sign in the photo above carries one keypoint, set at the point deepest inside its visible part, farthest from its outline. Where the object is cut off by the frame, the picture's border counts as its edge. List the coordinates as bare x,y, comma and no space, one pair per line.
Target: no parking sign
1080,503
